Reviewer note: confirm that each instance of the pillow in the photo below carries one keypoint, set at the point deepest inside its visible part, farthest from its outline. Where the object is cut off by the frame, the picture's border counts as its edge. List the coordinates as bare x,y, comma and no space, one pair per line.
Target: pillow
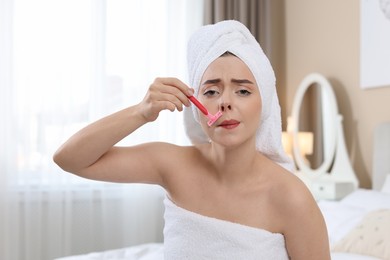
386,185
371,237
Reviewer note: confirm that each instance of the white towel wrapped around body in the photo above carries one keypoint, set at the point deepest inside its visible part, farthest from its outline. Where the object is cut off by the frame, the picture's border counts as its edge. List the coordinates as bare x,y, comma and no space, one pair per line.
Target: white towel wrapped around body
188,235
209,43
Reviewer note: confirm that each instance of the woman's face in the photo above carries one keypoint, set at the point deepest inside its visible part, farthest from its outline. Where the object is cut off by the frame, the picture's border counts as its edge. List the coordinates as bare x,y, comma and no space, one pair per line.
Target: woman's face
228,85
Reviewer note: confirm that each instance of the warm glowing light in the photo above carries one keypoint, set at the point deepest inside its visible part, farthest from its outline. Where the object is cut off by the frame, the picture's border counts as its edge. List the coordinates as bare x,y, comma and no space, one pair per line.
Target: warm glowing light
305,141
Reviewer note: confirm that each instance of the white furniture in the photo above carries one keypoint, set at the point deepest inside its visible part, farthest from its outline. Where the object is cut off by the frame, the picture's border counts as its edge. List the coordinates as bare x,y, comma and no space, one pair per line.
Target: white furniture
334,178
331,189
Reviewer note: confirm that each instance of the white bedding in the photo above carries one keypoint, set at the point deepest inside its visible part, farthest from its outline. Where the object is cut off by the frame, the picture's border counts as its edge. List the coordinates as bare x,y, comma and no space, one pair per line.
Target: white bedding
340,216
343,216
150,251
349,256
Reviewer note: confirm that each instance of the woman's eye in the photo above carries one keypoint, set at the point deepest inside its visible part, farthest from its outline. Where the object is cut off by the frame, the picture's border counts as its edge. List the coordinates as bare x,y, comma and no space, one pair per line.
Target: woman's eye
244,92
210,93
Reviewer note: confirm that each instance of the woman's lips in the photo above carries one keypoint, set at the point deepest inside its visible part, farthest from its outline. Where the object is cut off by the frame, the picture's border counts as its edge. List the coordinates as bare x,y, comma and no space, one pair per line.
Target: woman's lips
229,124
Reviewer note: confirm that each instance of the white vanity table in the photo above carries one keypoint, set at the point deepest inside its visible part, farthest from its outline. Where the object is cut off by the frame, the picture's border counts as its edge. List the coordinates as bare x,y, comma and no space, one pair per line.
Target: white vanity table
327,189
332,177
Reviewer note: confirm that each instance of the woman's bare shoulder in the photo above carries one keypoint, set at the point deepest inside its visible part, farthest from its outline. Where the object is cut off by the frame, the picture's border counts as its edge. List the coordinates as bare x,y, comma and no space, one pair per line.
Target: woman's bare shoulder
290,193
301,219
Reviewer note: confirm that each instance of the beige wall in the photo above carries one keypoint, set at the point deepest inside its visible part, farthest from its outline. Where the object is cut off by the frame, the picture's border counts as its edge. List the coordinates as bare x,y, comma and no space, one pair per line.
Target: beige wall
323,36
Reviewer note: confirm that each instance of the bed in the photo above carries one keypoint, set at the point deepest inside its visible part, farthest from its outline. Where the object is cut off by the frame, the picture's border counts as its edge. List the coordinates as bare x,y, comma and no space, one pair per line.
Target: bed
358,224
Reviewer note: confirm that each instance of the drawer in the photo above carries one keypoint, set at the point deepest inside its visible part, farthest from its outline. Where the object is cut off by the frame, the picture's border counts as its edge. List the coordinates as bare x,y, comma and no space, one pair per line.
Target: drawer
331,190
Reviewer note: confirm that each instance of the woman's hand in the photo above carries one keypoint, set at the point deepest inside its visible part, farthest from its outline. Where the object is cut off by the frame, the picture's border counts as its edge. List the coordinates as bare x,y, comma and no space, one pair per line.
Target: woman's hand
164,94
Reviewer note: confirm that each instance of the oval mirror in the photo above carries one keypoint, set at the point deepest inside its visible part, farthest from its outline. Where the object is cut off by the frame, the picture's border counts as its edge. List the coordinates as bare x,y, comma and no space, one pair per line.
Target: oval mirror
314,126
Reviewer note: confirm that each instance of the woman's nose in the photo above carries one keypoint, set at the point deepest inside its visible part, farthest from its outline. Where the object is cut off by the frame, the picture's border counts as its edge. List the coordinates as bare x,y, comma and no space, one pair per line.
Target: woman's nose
225,106
225,101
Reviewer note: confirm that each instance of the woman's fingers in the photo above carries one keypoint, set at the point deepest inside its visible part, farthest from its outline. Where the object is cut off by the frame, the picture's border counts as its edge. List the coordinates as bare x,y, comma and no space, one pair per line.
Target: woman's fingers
177,83
166,101
175,91
175,87
165,94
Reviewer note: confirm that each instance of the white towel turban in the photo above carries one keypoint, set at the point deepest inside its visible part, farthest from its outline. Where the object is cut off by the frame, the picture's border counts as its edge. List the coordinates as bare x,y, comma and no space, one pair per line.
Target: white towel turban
209,43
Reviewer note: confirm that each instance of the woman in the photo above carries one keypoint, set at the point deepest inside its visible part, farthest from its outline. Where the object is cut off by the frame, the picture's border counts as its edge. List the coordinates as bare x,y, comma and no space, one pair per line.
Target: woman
230,195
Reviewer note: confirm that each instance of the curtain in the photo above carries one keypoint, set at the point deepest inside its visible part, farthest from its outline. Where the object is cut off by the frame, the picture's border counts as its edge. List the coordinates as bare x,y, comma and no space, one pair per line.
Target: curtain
253,13
64,64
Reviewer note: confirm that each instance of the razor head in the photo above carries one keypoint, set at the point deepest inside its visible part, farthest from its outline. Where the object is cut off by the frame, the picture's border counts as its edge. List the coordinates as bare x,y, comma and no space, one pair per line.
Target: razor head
214,118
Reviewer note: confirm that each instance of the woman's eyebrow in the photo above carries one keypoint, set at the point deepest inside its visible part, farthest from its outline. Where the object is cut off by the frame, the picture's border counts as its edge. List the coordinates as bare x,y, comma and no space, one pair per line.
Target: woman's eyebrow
237,81
241,81
211,81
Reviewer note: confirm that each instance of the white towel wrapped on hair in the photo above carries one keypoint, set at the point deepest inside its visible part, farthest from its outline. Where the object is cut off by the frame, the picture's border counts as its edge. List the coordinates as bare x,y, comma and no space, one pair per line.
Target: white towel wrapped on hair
188,235
209,43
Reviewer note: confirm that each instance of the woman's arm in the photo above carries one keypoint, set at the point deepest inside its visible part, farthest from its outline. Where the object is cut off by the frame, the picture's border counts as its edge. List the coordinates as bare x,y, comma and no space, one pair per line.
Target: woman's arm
306,233
91,153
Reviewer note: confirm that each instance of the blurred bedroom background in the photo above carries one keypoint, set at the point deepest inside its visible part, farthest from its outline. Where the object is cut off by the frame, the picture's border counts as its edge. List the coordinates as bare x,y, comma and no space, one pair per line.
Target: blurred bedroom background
65,63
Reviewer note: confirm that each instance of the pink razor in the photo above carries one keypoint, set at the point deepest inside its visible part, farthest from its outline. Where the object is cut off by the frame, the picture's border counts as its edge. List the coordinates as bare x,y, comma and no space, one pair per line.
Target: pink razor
212,118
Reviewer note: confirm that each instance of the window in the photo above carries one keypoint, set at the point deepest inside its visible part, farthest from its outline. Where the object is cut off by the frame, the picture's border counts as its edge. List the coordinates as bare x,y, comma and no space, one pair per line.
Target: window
63,64
74,61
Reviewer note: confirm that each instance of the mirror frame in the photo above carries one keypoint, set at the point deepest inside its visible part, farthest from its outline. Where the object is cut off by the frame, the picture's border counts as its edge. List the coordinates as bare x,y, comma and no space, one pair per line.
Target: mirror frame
307,82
